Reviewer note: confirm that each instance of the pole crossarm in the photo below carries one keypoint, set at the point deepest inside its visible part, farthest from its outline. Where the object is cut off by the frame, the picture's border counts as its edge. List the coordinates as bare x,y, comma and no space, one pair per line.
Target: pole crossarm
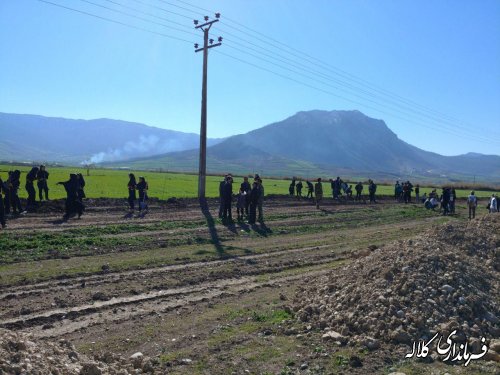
209,24
202,48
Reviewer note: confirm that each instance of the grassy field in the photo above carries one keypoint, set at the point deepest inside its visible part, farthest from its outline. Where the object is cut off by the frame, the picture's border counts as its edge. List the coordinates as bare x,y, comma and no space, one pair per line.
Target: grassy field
108,183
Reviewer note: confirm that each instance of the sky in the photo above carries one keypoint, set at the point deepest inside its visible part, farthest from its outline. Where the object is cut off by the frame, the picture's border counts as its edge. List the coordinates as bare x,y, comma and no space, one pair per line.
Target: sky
430,69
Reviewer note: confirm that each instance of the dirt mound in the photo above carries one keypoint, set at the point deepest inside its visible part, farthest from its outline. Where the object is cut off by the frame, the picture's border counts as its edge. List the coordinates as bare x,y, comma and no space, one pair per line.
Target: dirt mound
447,278
21,354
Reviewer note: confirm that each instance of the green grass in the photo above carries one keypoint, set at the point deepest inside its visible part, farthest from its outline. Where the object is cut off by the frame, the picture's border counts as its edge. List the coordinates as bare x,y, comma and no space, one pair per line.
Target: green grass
108,183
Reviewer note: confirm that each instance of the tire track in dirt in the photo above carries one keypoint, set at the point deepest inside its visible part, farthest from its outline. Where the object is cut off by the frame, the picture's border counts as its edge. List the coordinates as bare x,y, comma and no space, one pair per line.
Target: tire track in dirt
59,322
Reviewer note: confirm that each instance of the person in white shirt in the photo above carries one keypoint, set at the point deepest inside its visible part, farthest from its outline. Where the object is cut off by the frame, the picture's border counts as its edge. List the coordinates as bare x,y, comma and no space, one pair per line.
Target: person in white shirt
493,204
472,203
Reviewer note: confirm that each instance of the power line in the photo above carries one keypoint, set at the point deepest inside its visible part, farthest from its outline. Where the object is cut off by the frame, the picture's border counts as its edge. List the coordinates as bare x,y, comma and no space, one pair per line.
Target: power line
344,98
137,17
452,131
163,9
331,68
149,14
115,21
343,84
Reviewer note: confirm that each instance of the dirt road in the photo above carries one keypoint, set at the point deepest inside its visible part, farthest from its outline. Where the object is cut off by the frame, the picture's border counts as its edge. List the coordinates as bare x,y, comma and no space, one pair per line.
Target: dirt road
177,284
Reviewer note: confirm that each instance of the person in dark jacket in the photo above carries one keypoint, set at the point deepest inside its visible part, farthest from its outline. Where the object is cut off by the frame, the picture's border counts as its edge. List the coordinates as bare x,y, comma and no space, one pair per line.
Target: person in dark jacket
245,186
291,188
254,201
227,197
453,199
299,189
30,189
260,201
310,189
132,185
81,187
445,201
14,185
42,177
372,189
2,209
73,204
221,200
336,187
143,188
6,190
318,191
359,190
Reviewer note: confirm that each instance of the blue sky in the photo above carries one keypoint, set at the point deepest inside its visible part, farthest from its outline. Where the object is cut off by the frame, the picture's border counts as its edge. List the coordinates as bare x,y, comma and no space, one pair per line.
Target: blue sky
435,65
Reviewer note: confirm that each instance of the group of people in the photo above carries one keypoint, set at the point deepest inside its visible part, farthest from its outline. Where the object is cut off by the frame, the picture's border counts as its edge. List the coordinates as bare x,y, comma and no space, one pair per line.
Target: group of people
10,189
9,192
134,187
339,189
446,201
249,200
402,192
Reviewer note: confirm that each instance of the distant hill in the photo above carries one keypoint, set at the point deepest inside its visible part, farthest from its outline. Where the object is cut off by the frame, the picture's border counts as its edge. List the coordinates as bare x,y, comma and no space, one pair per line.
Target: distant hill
50,139
331,143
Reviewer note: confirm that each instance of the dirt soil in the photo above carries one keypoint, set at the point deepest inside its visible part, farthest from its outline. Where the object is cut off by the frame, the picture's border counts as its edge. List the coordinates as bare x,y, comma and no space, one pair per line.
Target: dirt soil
176,291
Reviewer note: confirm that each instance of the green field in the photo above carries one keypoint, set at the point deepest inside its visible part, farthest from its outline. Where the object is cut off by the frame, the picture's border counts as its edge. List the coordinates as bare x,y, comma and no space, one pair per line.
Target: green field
108,183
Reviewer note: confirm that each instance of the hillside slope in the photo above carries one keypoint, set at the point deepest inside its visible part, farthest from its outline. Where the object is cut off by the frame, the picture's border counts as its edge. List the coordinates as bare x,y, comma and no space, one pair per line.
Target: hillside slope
328,142
39,138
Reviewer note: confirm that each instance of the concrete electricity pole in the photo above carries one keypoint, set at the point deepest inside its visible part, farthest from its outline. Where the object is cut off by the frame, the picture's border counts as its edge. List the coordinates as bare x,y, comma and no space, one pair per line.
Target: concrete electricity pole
207,43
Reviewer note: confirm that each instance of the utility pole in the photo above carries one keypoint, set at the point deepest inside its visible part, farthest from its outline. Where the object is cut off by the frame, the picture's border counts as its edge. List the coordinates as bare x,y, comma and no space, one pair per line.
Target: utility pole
207,44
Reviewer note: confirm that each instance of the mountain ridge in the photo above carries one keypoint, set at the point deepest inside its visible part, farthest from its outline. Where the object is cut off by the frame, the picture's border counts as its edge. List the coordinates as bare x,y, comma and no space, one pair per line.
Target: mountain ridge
75,141
325,142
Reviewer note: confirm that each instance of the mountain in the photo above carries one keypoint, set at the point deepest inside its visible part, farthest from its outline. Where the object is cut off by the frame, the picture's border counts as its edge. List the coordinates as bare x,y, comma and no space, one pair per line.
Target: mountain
328,143
50,139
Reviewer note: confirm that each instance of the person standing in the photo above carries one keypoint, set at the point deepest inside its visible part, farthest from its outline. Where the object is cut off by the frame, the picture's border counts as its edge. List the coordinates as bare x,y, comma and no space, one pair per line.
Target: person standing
227,197
221,199
245,186
30,189
417,193
143,188
359,190
397,191
2,208
310,189
42,177
81,187
337,186
453,198
73,204
445,200
260,201
132,186
14,185
240,204
372,189
6,190
254,201
318,191
472,204
493,204
298,188
291,188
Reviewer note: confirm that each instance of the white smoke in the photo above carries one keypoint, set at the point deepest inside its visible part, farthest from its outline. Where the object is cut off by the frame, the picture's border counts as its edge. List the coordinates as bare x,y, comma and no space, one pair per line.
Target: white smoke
146,146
